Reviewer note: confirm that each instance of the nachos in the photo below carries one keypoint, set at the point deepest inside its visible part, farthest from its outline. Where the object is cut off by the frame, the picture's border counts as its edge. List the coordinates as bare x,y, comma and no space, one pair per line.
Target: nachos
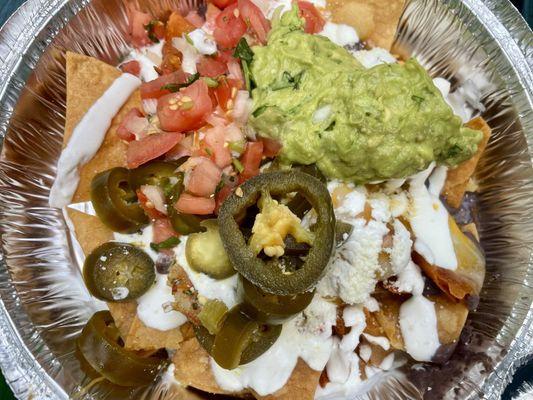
265,198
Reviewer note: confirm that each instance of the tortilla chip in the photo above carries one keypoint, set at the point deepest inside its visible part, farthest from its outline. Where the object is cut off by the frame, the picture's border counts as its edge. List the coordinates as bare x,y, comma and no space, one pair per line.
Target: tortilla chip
458,177
451,318
87,79
123,315
388,318
301,385
90,231
375,21
467,279
193,369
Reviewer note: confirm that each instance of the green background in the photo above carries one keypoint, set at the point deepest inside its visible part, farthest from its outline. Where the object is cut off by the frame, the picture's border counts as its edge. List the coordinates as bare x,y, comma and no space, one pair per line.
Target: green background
525,374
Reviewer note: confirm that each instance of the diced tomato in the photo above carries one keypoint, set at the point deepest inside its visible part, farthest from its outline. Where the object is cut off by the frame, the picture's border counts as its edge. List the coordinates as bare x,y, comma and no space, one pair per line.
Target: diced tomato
211,67
271,147
148,208
225,91
155,89
253,16
177,25
210,17
223,3
215,139
195,19
137,31
251,160
132,126
314,22
185,110
204,178
229,27
162,230
189,204
131,67
225,56
153,146
222,195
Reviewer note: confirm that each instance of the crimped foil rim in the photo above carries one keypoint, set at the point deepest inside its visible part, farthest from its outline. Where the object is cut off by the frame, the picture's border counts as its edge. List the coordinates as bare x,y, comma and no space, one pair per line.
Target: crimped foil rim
21,369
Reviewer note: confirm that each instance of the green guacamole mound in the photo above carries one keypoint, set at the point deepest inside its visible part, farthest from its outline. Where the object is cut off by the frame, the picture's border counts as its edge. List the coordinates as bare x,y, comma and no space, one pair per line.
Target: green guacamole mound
356,124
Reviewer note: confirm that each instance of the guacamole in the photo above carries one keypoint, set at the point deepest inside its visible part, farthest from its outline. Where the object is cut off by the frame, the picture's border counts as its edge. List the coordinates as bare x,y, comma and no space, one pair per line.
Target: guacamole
356,124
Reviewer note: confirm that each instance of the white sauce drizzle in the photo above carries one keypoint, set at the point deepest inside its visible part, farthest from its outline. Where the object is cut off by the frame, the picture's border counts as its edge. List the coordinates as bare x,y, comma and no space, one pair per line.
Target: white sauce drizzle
373,57
381,341
365,352
387,363
151,308
299,339
148,58
190,55
340,34
87,138
224,289
203,42
437,179
418,324
410,279
429,220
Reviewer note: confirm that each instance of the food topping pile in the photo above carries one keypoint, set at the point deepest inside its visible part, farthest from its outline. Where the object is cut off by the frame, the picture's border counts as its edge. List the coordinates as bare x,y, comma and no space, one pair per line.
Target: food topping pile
273,206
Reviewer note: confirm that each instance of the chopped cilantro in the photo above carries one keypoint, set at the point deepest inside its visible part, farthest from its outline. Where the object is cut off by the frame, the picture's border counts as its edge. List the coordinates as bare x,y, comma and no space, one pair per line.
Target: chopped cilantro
417,99
243,51
288,81
246,55
260,110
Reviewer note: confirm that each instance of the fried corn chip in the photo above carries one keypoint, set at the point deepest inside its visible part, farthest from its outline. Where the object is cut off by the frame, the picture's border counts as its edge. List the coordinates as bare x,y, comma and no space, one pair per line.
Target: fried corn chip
451,317
458,177
375,21
193,369
387,318
87,79
467,279
301,385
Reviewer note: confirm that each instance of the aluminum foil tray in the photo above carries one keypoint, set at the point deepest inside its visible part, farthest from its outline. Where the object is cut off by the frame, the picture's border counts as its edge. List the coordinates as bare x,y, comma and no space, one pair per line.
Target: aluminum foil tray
483,44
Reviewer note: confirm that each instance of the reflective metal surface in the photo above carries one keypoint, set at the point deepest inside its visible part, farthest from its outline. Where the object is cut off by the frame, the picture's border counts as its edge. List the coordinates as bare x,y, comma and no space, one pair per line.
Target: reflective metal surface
483,46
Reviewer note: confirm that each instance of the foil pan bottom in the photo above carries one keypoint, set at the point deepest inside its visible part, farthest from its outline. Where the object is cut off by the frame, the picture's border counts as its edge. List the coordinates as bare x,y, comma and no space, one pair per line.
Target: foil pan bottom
485,46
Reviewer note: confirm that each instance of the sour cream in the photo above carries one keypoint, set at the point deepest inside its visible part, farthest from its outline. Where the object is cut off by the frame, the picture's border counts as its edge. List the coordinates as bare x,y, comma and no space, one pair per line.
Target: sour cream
224,290
418,324
429,221
190,55
306,337
373,57
340,34
87,138
149,58
154,310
